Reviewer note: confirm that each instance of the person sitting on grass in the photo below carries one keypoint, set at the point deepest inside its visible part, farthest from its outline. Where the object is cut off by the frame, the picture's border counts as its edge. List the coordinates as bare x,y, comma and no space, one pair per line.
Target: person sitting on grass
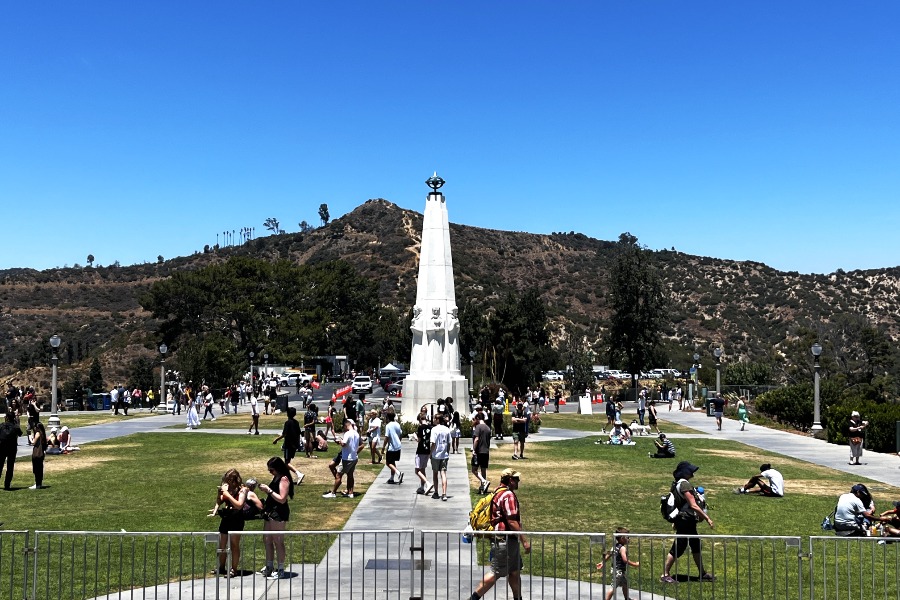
853,512
619,435
664,447
769,482
891,520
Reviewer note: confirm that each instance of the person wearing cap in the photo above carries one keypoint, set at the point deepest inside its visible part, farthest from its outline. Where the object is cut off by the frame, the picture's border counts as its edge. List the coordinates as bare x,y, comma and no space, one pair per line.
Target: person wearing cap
769,482
65,440
690,512
506,555
853,511
664,447
855,430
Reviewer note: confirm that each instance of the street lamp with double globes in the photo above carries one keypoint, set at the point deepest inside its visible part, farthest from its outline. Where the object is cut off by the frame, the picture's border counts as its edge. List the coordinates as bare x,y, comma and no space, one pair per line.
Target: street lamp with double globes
162,378
54,417
718,354
817,417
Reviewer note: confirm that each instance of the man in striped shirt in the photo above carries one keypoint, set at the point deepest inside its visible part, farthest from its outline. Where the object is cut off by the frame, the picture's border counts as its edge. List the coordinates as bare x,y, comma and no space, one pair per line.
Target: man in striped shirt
664,447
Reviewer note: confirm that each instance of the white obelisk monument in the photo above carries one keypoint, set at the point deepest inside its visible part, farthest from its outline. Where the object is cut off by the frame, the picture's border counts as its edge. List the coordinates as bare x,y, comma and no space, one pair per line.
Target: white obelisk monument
434,367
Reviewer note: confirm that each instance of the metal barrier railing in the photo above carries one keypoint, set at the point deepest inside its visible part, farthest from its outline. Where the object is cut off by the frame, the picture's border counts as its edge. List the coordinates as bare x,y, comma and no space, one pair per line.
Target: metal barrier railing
854,567
433,565
559,565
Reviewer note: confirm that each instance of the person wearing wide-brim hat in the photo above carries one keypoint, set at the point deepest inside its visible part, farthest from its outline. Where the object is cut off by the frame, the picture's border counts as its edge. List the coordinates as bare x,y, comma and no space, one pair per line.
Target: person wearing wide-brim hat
855,431
690,512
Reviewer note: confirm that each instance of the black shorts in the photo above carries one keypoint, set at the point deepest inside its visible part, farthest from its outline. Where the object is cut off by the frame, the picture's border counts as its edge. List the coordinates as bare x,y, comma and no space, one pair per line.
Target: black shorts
481,460
289,454
391,457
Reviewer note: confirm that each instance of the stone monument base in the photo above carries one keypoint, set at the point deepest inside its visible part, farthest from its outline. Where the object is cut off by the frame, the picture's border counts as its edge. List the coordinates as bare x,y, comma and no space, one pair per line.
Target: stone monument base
422,389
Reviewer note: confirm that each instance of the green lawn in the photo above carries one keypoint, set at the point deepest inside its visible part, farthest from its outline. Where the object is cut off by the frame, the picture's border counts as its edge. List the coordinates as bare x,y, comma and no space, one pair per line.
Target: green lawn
595,422
100,417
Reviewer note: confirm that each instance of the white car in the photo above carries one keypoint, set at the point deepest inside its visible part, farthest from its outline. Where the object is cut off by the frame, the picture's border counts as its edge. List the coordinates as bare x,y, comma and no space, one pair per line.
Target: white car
362,384
552,376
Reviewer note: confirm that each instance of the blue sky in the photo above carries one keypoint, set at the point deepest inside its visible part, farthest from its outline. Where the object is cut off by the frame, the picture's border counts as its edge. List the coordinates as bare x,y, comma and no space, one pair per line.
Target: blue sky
763,131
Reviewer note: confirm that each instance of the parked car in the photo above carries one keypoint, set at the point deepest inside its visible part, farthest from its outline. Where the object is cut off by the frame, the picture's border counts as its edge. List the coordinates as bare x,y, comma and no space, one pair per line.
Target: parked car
395,388
362,384
552,376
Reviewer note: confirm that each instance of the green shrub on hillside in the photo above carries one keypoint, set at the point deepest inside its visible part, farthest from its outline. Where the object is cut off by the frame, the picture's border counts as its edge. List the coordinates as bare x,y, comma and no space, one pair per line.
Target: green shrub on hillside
882,417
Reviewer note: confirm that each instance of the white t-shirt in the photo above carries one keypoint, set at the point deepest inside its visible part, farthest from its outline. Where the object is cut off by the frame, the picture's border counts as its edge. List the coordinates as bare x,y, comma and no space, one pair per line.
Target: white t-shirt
350,446
253,409
374,429
393,431
848,507
776,481
440,437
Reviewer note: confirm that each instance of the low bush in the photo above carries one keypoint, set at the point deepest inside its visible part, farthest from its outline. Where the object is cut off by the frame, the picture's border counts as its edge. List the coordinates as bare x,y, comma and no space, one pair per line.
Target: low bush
880,435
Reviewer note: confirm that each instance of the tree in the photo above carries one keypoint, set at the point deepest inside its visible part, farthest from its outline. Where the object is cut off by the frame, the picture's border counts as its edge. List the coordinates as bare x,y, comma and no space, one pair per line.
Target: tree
272,225
639,307
323,214
305,227
160,259
95,377
580,359
519,349
140,373
90,260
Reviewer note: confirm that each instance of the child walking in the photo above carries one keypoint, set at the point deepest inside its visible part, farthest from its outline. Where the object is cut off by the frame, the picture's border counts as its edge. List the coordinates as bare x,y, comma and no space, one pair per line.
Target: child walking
620,564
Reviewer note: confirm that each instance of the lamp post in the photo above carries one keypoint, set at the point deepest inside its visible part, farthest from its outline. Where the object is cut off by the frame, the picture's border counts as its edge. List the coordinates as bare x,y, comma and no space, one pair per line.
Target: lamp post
718,354
471,369
54,417
252,387
162,378
817,418
266,369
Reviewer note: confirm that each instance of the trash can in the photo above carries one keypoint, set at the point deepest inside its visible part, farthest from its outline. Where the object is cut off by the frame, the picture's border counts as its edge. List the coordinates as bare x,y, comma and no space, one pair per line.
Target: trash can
710,409
281,402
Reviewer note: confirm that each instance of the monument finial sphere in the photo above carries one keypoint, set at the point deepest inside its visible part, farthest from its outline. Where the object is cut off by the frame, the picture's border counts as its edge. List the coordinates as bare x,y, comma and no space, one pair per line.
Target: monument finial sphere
434,182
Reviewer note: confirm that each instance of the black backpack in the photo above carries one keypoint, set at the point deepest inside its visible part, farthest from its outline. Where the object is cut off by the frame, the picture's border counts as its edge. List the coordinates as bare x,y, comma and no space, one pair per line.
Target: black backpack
670,504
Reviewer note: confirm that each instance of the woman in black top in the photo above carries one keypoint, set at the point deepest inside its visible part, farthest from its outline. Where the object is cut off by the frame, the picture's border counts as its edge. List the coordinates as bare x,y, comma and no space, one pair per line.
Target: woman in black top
276,513
38,449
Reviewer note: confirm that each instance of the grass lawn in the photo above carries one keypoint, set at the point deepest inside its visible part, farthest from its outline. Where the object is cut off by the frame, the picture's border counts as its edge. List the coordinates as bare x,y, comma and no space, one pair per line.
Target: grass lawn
595,422
242,420
163,482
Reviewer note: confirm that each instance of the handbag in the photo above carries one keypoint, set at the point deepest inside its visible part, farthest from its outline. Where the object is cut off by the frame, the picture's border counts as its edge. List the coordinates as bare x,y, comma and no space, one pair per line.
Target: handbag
856,440
37,450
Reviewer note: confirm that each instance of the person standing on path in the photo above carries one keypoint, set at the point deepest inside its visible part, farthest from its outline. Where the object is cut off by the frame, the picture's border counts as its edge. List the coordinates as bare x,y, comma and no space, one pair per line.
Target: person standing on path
718,409
690,512
310,417
423,451
373,435
856,428
207,397
497,408
481,448
392,447
642,405
506,555
9,442
652,415
440,455
520,420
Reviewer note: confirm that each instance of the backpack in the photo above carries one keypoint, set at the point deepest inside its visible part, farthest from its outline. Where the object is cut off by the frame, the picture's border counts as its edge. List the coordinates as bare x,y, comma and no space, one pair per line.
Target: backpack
670,504
480,517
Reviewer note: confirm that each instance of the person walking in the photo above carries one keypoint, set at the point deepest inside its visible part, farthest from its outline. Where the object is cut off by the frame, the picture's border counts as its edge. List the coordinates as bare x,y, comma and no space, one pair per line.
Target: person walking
690,512
652,415
207,397
373,435
440,455
423,450
277,512
506,554
392,447
254,414
856,428
10,431
290,433
520,420
718,409
743,413
481,448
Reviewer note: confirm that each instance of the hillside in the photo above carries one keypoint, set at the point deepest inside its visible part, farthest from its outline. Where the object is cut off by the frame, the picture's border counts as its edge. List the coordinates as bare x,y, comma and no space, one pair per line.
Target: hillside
748,307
